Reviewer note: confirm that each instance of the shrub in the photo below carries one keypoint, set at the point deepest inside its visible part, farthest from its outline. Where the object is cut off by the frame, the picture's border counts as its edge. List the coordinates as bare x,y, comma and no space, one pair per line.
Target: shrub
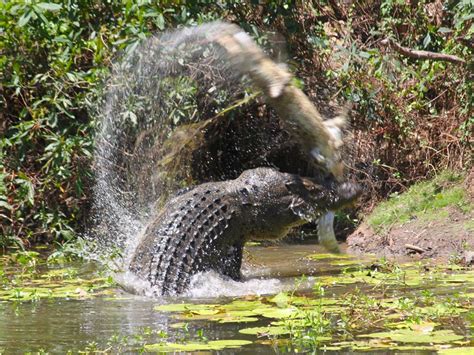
412,117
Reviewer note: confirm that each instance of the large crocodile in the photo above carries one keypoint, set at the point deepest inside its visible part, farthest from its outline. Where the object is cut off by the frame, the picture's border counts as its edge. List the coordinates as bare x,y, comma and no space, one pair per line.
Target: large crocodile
207,227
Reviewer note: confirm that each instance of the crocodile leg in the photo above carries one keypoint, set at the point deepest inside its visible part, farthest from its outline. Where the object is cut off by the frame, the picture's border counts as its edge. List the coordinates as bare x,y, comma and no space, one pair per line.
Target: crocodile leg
233,261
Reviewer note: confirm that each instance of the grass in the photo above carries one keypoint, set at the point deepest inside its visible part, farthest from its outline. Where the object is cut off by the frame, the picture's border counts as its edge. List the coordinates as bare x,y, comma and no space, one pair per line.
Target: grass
423,200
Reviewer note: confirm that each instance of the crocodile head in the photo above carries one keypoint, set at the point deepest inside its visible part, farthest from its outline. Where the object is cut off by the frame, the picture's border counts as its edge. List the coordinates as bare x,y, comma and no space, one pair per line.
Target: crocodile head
311,199
277,201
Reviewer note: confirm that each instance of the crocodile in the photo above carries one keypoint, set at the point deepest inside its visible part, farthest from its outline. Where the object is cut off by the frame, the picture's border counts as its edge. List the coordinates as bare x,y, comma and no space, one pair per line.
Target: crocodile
206,227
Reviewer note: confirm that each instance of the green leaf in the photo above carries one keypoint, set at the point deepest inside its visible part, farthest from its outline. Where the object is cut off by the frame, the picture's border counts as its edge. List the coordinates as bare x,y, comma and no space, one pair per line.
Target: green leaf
457,351
281,299
238,319
49,6
194,346
31,192
160,22
5,205
427,41
229,343
25,18
417,336
279,312
364,54
205,312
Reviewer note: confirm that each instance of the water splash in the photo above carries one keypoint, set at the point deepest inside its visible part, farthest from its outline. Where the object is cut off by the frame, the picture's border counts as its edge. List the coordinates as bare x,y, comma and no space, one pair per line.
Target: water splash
211,284
165,125
206,285
172,88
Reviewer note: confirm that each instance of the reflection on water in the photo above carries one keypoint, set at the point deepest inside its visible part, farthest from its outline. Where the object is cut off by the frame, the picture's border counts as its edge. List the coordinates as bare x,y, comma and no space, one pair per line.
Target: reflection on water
60,325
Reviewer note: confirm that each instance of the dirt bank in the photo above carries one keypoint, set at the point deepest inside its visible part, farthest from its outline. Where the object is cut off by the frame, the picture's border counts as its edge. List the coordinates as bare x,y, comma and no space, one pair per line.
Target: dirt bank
442,228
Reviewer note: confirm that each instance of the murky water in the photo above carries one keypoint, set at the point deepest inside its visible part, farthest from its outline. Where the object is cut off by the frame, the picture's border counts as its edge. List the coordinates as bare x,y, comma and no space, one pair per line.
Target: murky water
117,321
60,326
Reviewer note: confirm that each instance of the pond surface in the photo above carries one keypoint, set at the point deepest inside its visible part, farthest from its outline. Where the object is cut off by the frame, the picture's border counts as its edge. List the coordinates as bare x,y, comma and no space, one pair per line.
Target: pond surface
344,305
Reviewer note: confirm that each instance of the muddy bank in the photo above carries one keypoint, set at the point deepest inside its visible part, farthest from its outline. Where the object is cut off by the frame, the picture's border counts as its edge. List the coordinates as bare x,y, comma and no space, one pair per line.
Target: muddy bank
443,227
445,238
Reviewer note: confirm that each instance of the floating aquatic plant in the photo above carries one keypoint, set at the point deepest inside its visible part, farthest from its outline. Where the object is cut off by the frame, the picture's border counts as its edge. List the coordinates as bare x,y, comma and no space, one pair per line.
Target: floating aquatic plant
26,276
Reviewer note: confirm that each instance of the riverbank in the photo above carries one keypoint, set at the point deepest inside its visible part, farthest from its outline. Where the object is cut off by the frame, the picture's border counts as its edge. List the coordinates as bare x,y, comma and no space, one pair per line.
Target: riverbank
432,219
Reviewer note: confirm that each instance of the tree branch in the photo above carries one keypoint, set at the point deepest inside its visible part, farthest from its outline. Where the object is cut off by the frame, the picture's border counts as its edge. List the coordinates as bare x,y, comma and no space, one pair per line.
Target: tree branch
412,53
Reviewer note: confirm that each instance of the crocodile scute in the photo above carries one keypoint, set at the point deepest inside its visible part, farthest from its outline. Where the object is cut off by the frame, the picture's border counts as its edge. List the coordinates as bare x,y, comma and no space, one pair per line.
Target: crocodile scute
206,228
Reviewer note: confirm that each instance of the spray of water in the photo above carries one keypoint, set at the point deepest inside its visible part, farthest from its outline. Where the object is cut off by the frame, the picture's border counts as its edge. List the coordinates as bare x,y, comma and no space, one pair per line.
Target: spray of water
162,100
164,126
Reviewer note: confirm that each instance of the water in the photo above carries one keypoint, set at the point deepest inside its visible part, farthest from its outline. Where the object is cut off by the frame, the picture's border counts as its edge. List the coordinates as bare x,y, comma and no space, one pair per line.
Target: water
60,325
174,115
165,126
118,322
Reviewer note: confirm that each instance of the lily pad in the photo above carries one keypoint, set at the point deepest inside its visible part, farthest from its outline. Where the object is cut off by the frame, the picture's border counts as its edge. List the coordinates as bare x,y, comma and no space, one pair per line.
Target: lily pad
231,313
238,320
195,346
221,344
270,330
277,312
205,312
378,344
416,336
243,305
281,299
457,351
345,263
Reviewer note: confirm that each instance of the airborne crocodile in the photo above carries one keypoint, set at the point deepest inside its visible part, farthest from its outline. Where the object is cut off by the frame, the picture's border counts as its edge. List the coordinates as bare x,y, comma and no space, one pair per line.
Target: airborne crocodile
207,227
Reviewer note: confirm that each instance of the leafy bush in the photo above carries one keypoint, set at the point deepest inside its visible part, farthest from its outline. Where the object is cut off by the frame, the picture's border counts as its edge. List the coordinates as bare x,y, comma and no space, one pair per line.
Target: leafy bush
412,116
55,58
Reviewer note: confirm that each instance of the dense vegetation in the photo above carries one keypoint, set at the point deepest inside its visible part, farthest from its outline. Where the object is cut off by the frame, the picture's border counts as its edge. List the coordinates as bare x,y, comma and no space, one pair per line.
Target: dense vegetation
412,116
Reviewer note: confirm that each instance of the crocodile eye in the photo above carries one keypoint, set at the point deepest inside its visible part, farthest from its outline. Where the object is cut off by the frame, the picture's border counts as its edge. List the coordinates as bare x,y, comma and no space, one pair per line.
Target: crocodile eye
309,186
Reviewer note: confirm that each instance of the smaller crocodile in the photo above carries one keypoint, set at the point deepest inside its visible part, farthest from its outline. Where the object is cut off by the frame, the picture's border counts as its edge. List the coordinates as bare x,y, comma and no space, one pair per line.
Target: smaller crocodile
206,228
